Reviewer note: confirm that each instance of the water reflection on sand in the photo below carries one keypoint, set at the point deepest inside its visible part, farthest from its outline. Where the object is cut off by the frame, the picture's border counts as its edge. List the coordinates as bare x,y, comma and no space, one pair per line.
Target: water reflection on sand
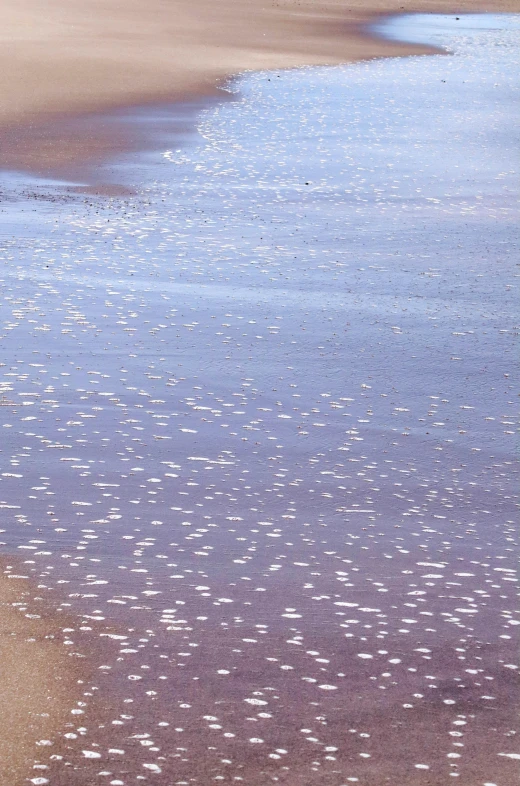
258,420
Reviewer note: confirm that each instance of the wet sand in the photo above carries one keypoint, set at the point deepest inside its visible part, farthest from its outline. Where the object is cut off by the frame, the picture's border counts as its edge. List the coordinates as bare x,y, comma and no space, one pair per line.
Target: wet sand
80,57
37,680
258,418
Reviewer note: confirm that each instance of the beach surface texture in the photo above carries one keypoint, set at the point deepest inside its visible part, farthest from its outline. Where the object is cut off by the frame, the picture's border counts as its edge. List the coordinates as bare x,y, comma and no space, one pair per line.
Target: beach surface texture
37,681
257,439
84,56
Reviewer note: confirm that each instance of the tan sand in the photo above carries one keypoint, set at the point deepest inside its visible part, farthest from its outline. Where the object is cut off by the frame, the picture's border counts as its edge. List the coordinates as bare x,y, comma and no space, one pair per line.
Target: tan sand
37,682
79,56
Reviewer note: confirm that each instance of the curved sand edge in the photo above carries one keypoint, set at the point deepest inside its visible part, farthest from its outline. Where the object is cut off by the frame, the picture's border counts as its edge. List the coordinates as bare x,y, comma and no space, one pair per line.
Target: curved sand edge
70,57
37,681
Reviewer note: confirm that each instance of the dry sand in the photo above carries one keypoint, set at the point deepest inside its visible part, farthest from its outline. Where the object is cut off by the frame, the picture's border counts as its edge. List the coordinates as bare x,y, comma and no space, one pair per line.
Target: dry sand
36,681
81,56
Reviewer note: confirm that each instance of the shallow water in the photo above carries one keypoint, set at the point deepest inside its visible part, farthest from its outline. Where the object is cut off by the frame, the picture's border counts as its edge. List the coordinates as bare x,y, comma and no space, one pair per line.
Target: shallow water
259,419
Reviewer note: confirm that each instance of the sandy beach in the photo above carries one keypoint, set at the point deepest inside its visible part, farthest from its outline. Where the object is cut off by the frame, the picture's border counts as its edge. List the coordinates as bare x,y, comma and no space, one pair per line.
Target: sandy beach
84,56
274,247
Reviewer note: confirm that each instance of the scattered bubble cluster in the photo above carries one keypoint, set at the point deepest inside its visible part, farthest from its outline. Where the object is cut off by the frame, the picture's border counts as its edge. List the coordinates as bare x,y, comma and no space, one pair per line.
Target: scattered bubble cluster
258,435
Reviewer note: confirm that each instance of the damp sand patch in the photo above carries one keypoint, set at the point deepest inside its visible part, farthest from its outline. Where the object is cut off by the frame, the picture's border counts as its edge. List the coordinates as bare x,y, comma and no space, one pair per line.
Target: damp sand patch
38,681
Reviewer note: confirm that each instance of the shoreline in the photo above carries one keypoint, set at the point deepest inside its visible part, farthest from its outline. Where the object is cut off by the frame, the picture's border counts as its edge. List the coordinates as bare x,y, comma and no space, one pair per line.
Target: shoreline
61,126
38,671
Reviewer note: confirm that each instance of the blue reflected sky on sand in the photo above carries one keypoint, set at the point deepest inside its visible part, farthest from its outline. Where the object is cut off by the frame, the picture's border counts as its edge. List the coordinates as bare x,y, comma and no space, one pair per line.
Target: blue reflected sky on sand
258,429
442,29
